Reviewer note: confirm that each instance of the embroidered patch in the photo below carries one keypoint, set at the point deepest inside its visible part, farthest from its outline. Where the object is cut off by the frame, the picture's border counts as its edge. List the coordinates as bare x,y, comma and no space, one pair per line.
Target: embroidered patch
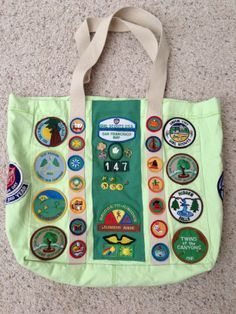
77,183
179,133
78,249
119,218
116,166
153,144
157,206
109,250
19,194
154,124
220,186
75,163
77,205
185,205
190,245
182,169
101,146
160,252
159,228
15,179
117,129
126,251
50,131
48,243
154,164
114,239
156,184
115,151
50,166
49,205
128,152
78,226
76,143
77,125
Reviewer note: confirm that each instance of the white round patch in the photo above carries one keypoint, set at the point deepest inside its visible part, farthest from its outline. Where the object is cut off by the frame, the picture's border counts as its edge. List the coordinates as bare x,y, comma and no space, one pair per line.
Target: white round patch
179,133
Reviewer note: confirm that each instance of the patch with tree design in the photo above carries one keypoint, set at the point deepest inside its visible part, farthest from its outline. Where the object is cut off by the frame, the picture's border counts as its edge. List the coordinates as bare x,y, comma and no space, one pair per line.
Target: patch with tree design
51,131
48,243
185,205
182,169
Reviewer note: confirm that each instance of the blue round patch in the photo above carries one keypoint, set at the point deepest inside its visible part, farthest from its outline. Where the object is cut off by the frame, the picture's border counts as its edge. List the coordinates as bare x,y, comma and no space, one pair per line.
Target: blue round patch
153,144
75,163
220,186
15,179
160,252
78,226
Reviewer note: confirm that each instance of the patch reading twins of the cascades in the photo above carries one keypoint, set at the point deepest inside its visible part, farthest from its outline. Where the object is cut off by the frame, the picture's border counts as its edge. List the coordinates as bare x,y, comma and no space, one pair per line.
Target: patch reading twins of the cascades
116,181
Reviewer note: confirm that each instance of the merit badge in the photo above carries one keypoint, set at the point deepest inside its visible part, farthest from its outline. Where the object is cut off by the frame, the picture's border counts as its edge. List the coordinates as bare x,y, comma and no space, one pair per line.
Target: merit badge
78,249
77,205
160,252
48,243
51,131
15,179
182,169
159,228
49,205
77,183
154,124
109,250
156,184
220,186
77,125
76,143
75,163
78,226
185,206
157,206
179,133
154,164
50,166
115,151
153,144
189,245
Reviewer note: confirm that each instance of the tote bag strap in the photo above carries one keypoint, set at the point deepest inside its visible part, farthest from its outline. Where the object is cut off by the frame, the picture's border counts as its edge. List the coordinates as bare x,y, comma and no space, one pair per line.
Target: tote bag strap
145,37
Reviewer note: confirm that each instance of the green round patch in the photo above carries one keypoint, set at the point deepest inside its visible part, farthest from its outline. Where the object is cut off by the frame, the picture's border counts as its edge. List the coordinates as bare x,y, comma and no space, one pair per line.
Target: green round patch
115,151
190,245
182,169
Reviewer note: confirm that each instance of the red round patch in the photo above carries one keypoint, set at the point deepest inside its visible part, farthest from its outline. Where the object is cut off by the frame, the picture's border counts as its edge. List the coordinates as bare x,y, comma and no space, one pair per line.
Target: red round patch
159,228
157,206
78,249
76,143
154,124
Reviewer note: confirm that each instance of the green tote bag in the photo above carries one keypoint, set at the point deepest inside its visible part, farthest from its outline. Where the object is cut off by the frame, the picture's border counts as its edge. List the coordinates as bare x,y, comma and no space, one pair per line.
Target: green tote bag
115,191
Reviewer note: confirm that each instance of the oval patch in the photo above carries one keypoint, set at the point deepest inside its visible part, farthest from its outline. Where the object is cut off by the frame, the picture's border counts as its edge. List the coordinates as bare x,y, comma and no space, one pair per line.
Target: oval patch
15,179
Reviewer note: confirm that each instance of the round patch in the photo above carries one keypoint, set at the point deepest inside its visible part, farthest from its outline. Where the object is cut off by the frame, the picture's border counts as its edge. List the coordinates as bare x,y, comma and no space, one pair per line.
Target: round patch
48,243
75,163
182,169
76,143
14,180
179,133
156,184
50,166
154,164
189,245
77,183
115,151
159,228
78,249
77,125
49,205
220,186
51,131
185,205
154,124
78,226
77,205
157,206
160,252
153,144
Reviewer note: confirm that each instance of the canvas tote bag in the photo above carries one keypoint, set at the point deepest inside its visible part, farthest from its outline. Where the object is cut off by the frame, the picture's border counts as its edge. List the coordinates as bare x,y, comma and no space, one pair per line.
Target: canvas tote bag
115,191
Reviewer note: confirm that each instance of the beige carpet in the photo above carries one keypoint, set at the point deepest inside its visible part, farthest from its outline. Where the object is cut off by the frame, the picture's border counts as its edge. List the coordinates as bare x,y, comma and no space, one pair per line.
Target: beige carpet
37,57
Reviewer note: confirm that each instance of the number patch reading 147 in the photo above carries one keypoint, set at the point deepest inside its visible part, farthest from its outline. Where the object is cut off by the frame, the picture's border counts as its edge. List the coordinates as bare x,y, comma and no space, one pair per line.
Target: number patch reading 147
121,166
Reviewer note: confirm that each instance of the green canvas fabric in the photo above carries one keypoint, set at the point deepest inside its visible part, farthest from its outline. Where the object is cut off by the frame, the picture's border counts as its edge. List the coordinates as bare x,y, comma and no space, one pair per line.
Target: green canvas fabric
23,115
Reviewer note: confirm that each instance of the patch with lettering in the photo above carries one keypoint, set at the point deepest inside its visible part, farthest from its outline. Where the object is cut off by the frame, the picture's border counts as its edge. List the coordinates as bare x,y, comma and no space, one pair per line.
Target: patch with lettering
220,186
190,245
185,205
179,133
48,243
50,131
